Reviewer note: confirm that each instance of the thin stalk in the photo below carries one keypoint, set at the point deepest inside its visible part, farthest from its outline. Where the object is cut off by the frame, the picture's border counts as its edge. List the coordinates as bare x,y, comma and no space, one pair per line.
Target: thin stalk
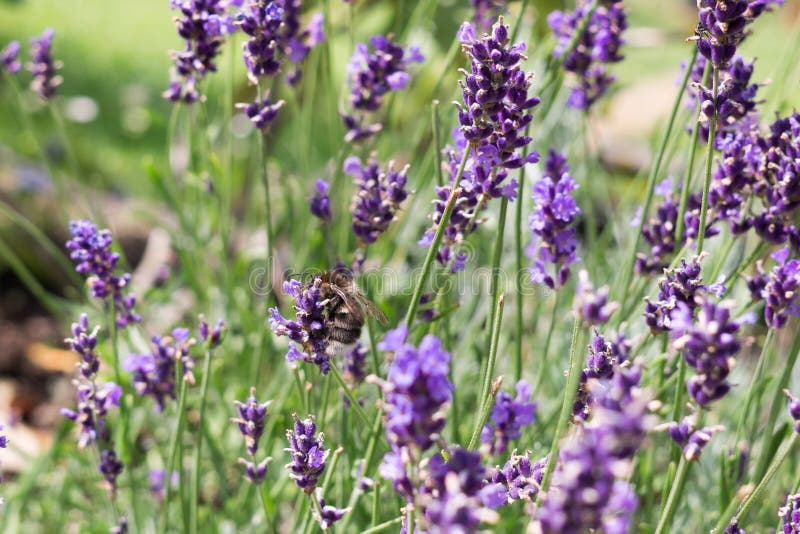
355,495
199,447
383,526
520,279
173,450
570,392
757,252
751,390
653,176
486,391
674,496
497,254
267,202
546,353
437,143
712,130
350,396
376,501
775,408
434,248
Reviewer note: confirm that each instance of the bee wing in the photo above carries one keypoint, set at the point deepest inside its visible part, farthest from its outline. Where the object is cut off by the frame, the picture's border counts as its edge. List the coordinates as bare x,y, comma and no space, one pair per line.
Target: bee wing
370,308
353,305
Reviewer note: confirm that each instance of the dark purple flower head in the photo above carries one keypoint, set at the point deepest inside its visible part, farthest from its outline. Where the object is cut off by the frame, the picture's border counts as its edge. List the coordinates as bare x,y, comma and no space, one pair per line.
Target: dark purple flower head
496,105
308,453
90,250
590,489
378,198
330,514
393,468
780,288
603,358
708,342
416,390
320,202
690,438
3,438
552,222
520,478
154,373
375,70
9,58
721,26
591,305
355,364
94,402
735,178
794,410
790,515
251,421
597,46
158,480
43,67
84,344
275,37
509,416
263,113
110,467
211,337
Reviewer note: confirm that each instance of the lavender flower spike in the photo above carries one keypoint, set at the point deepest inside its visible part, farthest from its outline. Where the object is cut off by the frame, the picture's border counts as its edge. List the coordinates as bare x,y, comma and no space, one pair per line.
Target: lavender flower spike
320,202
591,306
43,67
688,437
330,514
377,201
154,372
520,478
790,515
308,453
509,416
251,421
9,58
781,289
794,409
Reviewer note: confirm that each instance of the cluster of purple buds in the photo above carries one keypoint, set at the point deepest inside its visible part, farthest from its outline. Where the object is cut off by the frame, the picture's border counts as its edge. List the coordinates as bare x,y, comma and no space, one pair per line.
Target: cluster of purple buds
320,202
201,24
378,198
597,46
688,437
794,410
355,364
154,373
679,286
329,514
735,178
790,515
603,359
9,58
779,182
110,467
211,337
592,306
509,416
308,331
553,223
455,497
519,479
251,421
708,342
43,67
308,453
486,12
275,36
262,113
721,26
590,489
372,75
780,289
496,108
84,344
90,249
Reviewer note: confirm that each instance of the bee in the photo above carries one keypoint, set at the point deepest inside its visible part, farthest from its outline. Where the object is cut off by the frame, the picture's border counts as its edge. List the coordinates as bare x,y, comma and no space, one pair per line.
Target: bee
347,309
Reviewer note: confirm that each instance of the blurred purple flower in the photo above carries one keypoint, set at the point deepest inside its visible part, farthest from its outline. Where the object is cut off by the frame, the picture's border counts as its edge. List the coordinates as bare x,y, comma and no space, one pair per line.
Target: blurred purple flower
9,58
154,372
211,337
262,114
330,514
603,359
378,198
790,515
591,305
320,202
509,416
110,467
794,410
43,67
689,438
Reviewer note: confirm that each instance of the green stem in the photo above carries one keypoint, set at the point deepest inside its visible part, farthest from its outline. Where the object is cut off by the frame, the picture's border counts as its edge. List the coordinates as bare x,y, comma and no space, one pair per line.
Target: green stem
199,447
546,352
383,526
712,130
267,205
570,392
521,272
674,496
752,258
653,176
486,390
350,396
173,452
754,385
437,143
497,254
434,248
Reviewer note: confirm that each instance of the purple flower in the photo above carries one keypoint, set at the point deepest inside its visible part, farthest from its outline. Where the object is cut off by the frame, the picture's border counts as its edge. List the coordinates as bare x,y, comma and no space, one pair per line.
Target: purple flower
708,343
330,514
110,467
378,197
355,364
320,203
597,46
603,359
201,24
372,74
90,249
496,106
553,223
690,438
794,410
509,416
780,289
734,178
9,58
309,330
251,421
262,114
94,402
590,489
43,67
790,515
157,482
211,337
308,454
3,438
486,12
154,373
84,344
679,286
591,306
519,478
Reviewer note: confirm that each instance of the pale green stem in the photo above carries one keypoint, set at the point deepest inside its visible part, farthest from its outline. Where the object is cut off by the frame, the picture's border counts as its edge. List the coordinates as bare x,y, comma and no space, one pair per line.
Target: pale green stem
200,435
173,450
486,390
712,130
